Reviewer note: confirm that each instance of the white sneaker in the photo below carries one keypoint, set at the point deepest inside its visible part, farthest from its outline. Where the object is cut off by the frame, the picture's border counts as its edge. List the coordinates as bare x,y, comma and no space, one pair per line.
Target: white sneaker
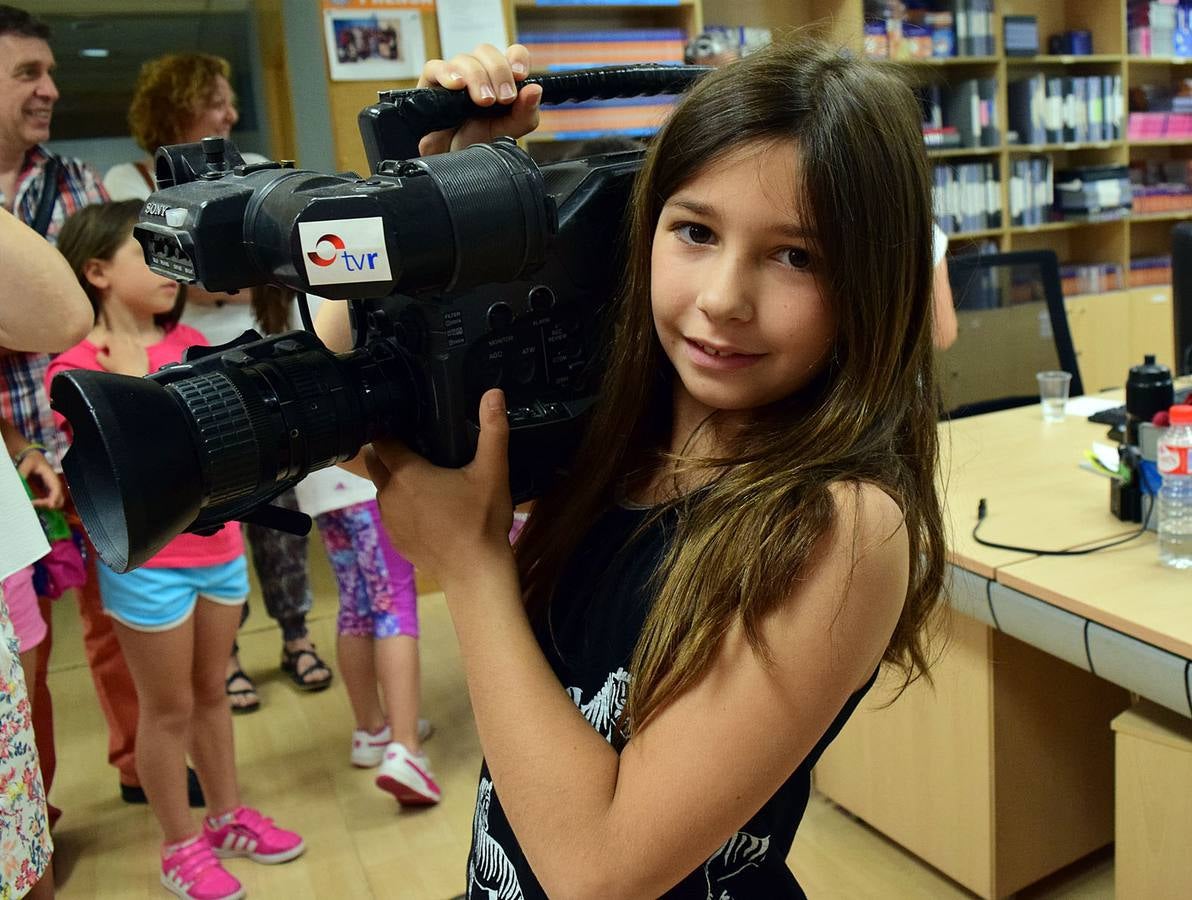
407,777
369,749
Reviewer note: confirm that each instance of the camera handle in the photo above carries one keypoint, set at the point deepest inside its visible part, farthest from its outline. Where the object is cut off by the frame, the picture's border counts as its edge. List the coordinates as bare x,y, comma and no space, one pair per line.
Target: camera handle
392,127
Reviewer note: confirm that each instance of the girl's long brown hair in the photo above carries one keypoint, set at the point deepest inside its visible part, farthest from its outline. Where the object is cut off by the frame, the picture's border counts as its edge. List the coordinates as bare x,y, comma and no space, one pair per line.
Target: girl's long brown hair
870,417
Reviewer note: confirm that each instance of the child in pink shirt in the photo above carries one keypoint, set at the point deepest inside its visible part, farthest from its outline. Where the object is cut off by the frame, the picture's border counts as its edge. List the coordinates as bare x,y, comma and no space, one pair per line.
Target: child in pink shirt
176,616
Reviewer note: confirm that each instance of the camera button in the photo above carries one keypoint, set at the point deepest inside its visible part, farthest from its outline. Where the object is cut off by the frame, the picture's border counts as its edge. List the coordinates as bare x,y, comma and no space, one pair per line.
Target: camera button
500,315
542,298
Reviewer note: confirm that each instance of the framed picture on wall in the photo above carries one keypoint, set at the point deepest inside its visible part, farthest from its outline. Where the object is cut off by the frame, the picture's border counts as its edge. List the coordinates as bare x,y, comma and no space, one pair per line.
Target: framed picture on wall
373,43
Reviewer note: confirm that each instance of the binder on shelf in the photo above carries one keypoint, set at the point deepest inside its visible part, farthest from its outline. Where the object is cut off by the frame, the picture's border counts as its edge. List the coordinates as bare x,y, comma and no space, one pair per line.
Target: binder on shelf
1027,98
967,197
990,135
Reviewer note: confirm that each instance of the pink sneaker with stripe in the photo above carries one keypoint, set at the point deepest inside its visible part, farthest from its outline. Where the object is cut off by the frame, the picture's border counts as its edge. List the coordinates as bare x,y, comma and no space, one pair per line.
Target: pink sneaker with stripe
248,833
192,872
407,777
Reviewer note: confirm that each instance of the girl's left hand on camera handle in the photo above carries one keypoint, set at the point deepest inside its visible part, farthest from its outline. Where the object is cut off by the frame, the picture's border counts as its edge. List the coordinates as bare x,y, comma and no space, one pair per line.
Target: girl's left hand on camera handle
490,77
449,522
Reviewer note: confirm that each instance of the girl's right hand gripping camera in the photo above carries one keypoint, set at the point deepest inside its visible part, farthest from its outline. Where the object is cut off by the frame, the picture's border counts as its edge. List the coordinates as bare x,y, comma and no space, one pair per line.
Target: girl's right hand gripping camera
463,271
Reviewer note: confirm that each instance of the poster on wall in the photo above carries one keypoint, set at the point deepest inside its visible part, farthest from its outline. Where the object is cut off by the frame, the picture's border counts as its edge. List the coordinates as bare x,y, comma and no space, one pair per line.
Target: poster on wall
465,23
374,40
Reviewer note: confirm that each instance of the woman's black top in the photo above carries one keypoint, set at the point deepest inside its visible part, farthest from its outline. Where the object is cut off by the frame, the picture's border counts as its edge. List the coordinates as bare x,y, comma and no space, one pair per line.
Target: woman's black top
601,605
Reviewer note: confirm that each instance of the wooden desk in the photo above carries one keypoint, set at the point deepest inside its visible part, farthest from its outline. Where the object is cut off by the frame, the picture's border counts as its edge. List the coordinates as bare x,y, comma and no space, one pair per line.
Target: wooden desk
1003,772
1029,472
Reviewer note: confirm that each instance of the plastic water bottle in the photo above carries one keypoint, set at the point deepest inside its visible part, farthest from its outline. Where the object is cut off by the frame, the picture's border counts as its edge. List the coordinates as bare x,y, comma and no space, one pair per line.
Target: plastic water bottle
1175,497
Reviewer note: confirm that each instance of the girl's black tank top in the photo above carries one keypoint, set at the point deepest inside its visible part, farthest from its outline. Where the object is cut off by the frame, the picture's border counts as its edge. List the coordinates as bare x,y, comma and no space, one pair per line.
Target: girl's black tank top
599,610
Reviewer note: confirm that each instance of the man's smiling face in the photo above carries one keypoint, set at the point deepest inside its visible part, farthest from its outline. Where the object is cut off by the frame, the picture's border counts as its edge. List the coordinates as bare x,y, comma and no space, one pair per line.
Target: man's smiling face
27,91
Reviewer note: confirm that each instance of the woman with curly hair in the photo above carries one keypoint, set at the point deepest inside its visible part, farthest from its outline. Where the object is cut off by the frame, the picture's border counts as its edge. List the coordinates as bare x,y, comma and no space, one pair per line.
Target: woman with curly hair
179,98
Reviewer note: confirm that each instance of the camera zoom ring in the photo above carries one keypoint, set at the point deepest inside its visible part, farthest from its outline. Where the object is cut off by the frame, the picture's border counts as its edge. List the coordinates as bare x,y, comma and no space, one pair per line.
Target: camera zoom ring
313,416
227,443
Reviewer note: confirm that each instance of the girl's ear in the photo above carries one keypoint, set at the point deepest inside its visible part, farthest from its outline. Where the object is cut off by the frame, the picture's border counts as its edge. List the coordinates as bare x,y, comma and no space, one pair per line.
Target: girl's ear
96,272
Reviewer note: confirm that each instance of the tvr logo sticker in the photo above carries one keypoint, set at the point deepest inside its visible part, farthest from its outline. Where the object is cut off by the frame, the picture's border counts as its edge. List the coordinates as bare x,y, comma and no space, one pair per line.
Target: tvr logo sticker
336,243
344,250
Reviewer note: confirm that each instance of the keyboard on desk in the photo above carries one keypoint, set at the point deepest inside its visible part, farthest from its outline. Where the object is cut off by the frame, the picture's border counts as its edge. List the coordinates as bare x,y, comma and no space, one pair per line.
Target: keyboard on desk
1115,416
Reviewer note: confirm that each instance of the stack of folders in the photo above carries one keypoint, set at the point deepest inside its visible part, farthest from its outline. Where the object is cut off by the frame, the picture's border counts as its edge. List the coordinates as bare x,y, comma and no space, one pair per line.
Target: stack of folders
1031,190
1093,193
1068,109
967,197
963,114
561,50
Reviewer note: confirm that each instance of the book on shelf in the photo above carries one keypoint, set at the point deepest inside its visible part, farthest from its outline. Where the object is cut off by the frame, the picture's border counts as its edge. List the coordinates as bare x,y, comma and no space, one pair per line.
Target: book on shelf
1090,278
607,2
967,197
964,112
571,50
1159,28
1149,270
600,36
1045,109
925,30
1161,186
1031,191
627,115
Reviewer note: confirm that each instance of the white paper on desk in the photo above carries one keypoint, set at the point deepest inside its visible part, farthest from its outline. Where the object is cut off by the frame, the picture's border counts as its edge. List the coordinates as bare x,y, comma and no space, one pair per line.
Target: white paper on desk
465,23
1086,406
1106,455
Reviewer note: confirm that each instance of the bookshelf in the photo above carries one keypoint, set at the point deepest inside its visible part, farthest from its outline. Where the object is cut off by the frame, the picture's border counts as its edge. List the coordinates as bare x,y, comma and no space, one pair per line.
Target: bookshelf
1136,311
1142,235
564,34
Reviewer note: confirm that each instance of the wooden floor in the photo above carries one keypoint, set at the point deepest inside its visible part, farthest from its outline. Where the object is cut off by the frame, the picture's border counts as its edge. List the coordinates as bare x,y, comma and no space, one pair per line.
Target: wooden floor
293,763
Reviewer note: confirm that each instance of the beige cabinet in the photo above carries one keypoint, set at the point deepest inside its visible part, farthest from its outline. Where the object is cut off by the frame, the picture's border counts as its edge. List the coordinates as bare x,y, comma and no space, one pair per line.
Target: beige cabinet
998,775
1152,325
1114,331
1100,326
1153,803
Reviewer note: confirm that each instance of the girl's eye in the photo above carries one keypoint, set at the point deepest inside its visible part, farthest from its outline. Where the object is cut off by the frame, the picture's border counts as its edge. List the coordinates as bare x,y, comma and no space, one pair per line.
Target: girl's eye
693,233
796,258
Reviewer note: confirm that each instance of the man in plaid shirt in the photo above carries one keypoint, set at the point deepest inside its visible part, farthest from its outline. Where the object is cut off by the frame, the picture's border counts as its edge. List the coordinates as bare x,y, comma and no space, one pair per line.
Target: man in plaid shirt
27,97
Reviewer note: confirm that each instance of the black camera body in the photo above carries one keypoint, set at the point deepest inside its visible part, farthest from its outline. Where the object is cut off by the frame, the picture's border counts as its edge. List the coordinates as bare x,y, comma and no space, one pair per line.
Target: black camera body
464,271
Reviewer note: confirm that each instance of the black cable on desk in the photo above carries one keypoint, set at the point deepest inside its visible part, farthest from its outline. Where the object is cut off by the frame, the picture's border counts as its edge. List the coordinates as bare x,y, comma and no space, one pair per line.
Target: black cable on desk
981,512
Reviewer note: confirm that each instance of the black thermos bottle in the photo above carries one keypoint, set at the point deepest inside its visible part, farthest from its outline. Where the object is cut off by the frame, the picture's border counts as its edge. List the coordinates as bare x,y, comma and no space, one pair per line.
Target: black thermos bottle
1148,391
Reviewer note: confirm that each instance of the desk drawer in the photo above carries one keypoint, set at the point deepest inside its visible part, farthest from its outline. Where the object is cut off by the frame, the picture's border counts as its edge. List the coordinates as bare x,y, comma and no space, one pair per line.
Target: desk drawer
1040,624
1156,674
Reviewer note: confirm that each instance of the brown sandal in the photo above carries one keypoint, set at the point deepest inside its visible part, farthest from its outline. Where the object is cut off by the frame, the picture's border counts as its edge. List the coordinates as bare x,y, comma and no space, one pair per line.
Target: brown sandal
245,692
290,662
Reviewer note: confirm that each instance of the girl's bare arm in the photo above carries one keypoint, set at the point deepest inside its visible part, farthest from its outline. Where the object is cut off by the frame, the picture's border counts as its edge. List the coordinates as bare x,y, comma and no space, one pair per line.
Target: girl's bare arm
43,308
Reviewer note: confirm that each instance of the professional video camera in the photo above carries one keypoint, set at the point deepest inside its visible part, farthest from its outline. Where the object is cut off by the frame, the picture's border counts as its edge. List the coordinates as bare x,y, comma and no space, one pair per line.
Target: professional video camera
463,271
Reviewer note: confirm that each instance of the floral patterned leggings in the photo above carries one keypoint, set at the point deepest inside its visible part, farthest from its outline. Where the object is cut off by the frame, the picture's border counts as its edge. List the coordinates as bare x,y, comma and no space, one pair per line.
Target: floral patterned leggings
377,596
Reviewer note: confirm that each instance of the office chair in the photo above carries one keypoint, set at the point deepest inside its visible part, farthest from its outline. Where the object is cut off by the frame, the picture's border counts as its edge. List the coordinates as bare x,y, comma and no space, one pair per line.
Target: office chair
1012,324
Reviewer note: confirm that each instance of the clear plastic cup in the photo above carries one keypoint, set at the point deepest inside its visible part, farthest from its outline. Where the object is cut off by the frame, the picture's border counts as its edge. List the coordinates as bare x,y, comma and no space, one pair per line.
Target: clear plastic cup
1053,394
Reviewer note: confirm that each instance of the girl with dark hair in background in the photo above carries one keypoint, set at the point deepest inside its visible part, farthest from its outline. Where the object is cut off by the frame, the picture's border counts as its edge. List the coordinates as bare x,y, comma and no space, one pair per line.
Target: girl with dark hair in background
176,616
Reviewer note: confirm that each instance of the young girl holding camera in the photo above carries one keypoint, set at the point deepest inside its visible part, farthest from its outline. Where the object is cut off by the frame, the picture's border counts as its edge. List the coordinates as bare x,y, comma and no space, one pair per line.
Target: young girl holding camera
176,616
751,528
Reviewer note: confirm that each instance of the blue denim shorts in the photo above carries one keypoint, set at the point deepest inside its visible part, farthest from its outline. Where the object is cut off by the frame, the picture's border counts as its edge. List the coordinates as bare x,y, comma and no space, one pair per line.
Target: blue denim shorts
148,599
